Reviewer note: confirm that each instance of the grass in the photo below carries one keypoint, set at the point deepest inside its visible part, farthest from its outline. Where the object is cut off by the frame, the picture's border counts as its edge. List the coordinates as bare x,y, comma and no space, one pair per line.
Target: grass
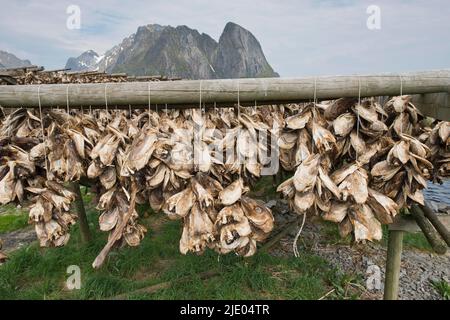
40,273
443,288
12,218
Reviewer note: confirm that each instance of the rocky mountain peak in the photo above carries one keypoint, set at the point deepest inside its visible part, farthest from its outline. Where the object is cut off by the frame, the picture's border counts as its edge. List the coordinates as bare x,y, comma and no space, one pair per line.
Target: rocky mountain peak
8,60
182,52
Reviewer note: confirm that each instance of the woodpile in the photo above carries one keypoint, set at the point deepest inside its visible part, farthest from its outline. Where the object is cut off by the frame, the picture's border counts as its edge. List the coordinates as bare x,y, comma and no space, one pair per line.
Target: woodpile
37,75
355,163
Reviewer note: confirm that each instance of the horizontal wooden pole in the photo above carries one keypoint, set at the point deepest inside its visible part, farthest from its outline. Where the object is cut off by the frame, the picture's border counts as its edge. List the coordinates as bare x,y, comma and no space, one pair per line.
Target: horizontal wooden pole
226,91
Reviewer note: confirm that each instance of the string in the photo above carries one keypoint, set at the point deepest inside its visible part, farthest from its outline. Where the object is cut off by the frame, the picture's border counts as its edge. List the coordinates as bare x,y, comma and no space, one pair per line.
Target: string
238,98
357,111
90,110
255,106
215,106
149,97
294,245
200,98
44,140
401,85
166,109
67,98
315,90
106,98
401,94
129,110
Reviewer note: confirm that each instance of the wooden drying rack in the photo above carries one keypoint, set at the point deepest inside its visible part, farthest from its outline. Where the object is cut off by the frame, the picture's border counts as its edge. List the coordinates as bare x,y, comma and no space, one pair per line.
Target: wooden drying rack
430,90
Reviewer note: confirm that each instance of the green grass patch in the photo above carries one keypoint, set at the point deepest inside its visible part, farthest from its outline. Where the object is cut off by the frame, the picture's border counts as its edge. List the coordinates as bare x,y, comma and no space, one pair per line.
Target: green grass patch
443,288
12,218
41,273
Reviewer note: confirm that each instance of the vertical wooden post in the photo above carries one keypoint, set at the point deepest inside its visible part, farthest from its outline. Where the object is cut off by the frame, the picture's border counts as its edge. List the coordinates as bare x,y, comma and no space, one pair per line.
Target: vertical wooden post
81,212
393,260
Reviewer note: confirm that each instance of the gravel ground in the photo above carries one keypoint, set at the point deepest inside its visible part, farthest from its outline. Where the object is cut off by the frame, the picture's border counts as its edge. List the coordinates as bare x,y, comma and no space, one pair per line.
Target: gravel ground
17,239
418,268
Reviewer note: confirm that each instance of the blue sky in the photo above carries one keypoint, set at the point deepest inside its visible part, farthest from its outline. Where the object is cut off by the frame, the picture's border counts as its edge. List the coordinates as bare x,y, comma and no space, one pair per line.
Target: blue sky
299,38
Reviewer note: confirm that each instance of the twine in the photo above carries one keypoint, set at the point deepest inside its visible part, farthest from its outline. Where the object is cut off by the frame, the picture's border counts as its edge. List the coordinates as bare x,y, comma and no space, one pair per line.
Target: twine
238,98
315,90
44,139
357,111
67,99
401,94
149,97
297,236
200,97
106,97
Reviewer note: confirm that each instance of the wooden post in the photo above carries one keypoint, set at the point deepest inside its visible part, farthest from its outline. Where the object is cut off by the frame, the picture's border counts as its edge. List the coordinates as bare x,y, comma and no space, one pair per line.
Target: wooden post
427,228
437,224
393,260
81,212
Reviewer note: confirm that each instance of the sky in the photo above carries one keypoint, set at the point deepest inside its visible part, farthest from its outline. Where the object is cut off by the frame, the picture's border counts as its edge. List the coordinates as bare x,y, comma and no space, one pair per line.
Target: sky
298,37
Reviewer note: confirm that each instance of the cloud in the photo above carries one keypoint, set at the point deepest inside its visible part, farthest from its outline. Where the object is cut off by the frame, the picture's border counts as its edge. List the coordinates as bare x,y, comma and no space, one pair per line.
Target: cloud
298,37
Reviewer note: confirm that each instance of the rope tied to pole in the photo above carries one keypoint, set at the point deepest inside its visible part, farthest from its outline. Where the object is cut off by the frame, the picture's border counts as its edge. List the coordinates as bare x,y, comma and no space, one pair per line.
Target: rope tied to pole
200,97
67,99
106,97
315,91
149,97
297,236
401,94
358,119
44,139
238,98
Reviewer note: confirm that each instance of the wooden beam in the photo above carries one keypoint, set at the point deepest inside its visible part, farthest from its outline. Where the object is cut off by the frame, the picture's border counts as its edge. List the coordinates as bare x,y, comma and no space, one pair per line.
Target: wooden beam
81,212
437,224
427,228
226,91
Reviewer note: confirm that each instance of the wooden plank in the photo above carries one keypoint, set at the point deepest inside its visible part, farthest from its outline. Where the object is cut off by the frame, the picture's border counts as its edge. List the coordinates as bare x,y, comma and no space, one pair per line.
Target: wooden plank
393,261
187,92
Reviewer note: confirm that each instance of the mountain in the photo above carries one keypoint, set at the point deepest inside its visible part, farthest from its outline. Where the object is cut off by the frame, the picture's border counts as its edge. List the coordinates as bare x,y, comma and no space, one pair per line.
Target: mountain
86,61
181,52
8,60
